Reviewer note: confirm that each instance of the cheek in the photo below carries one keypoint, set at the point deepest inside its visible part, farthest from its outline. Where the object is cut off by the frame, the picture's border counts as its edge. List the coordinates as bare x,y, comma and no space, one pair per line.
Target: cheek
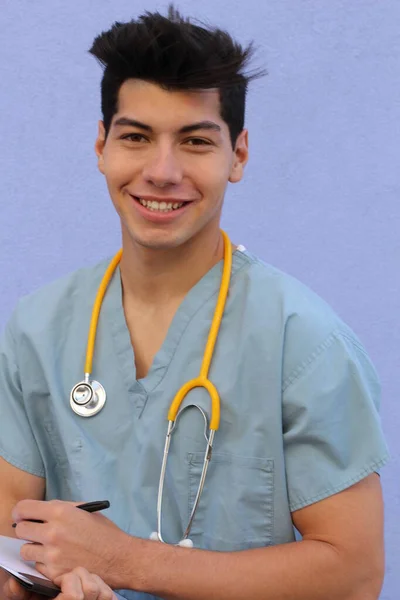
119,169
211,176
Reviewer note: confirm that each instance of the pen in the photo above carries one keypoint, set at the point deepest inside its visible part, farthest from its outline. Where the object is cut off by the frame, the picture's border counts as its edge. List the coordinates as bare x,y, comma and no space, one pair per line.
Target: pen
87,506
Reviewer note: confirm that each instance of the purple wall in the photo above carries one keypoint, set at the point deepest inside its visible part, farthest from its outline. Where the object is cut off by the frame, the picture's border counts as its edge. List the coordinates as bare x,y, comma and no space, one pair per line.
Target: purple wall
321,195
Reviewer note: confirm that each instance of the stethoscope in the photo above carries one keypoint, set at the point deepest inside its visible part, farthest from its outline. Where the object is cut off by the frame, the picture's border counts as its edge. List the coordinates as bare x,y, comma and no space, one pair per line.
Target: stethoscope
88,397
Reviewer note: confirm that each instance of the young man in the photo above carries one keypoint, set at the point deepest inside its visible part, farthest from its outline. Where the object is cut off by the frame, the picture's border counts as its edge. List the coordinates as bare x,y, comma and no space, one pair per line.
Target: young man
299,442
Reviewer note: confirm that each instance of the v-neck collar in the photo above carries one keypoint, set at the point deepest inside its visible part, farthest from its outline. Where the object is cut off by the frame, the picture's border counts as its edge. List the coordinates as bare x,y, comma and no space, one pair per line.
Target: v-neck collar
200,293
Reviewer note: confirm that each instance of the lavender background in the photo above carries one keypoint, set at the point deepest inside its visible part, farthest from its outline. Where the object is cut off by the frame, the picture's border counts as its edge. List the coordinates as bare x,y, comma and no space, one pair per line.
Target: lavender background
320,199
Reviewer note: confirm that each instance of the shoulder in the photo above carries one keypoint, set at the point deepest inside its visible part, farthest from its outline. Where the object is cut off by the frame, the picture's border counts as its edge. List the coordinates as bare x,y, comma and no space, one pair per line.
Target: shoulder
46,307
292,317
282,294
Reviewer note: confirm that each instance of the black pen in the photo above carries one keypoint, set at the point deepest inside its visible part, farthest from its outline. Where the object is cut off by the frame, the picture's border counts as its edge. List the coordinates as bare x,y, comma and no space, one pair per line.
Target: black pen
87,506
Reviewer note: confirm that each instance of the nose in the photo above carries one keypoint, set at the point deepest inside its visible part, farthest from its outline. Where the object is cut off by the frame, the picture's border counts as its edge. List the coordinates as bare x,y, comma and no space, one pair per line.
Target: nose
162,168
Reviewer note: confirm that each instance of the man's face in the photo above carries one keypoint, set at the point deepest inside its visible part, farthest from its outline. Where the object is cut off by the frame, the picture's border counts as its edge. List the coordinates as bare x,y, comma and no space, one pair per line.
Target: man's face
167,160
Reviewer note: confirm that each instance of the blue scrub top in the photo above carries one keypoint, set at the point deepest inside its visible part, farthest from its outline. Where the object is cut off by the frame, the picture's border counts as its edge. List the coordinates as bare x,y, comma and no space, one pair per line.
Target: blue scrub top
299,406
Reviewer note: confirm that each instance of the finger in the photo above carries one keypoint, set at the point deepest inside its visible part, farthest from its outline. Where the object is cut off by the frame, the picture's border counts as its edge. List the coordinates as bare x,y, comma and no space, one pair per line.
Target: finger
14,591
71,587
30,509
41,567
91,586
32,552
32,532
104,592
40,510
94,588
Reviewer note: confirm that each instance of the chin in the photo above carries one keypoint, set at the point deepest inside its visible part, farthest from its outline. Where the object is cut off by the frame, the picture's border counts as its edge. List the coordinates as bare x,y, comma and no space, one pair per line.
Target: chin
160,240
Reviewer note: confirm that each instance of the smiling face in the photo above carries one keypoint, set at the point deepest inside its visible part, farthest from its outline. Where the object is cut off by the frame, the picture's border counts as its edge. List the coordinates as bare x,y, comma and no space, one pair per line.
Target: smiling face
167,160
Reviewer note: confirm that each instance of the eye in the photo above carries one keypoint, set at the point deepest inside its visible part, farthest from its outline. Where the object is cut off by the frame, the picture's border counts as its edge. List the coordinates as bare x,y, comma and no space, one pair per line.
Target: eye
198,142
134,137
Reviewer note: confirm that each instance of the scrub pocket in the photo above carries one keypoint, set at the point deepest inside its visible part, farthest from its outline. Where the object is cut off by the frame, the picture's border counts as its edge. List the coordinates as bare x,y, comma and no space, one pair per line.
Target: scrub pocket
236,508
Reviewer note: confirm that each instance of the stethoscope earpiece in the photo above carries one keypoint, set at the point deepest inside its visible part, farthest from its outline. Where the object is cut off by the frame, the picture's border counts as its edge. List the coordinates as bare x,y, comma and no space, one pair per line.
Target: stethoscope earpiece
186,543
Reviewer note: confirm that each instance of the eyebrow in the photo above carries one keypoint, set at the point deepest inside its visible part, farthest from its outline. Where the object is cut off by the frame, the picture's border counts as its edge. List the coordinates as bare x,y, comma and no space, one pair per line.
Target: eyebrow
201,125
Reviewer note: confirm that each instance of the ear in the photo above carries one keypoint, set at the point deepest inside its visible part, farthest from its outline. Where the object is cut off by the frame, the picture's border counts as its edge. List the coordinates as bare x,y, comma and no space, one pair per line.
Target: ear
99,146
240,158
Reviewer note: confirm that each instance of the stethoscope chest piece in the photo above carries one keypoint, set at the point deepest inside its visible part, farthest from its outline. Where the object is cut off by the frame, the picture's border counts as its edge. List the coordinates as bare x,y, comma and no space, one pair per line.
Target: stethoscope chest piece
87,398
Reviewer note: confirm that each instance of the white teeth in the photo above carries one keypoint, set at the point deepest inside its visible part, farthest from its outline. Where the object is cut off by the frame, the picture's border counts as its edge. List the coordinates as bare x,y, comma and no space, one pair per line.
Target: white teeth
153,205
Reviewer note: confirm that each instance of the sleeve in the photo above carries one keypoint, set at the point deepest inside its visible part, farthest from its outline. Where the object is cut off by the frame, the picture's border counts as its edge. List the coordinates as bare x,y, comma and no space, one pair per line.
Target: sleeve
17,442
331,427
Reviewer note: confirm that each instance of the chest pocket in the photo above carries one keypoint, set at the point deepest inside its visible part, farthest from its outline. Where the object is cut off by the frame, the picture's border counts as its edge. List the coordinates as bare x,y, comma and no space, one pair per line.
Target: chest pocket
235,511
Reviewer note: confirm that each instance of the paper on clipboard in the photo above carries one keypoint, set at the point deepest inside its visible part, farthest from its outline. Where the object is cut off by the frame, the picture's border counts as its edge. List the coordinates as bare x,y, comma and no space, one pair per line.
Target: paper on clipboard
11,561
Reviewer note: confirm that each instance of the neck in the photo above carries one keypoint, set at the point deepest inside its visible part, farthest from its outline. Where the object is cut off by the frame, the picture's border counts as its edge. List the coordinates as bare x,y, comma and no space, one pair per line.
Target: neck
156,277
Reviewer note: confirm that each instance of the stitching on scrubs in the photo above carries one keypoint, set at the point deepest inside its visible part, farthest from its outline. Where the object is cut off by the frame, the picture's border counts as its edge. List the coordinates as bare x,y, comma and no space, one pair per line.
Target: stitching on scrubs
300,369
19,464
337,334
354,341
11,459
265,489
248,462
119,335
301,502
272,524
254,260
9,331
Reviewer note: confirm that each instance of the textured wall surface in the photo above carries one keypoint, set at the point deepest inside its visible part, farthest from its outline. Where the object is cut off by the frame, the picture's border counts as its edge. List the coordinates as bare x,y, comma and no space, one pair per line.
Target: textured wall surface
320,199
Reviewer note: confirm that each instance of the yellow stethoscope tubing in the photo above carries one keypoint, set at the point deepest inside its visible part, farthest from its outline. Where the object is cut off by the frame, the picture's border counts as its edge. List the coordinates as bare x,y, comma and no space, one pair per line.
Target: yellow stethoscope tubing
202,380
96,312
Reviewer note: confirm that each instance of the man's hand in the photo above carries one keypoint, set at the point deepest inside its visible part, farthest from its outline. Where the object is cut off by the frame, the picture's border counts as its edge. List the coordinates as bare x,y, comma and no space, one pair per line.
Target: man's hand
69,538
77,585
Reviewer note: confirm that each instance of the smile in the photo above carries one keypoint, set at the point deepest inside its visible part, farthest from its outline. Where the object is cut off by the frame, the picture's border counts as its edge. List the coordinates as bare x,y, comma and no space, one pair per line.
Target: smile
155,206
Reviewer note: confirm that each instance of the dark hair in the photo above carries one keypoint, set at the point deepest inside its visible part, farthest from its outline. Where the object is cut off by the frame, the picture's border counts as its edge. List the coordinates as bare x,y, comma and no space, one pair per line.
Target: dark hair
175,54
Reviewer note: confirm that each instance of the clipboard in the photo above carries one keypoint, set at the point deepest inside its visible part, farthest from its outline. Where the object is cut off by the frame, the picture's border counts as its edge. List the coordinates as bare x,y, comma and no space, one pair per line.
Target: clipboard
24,571
37,585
